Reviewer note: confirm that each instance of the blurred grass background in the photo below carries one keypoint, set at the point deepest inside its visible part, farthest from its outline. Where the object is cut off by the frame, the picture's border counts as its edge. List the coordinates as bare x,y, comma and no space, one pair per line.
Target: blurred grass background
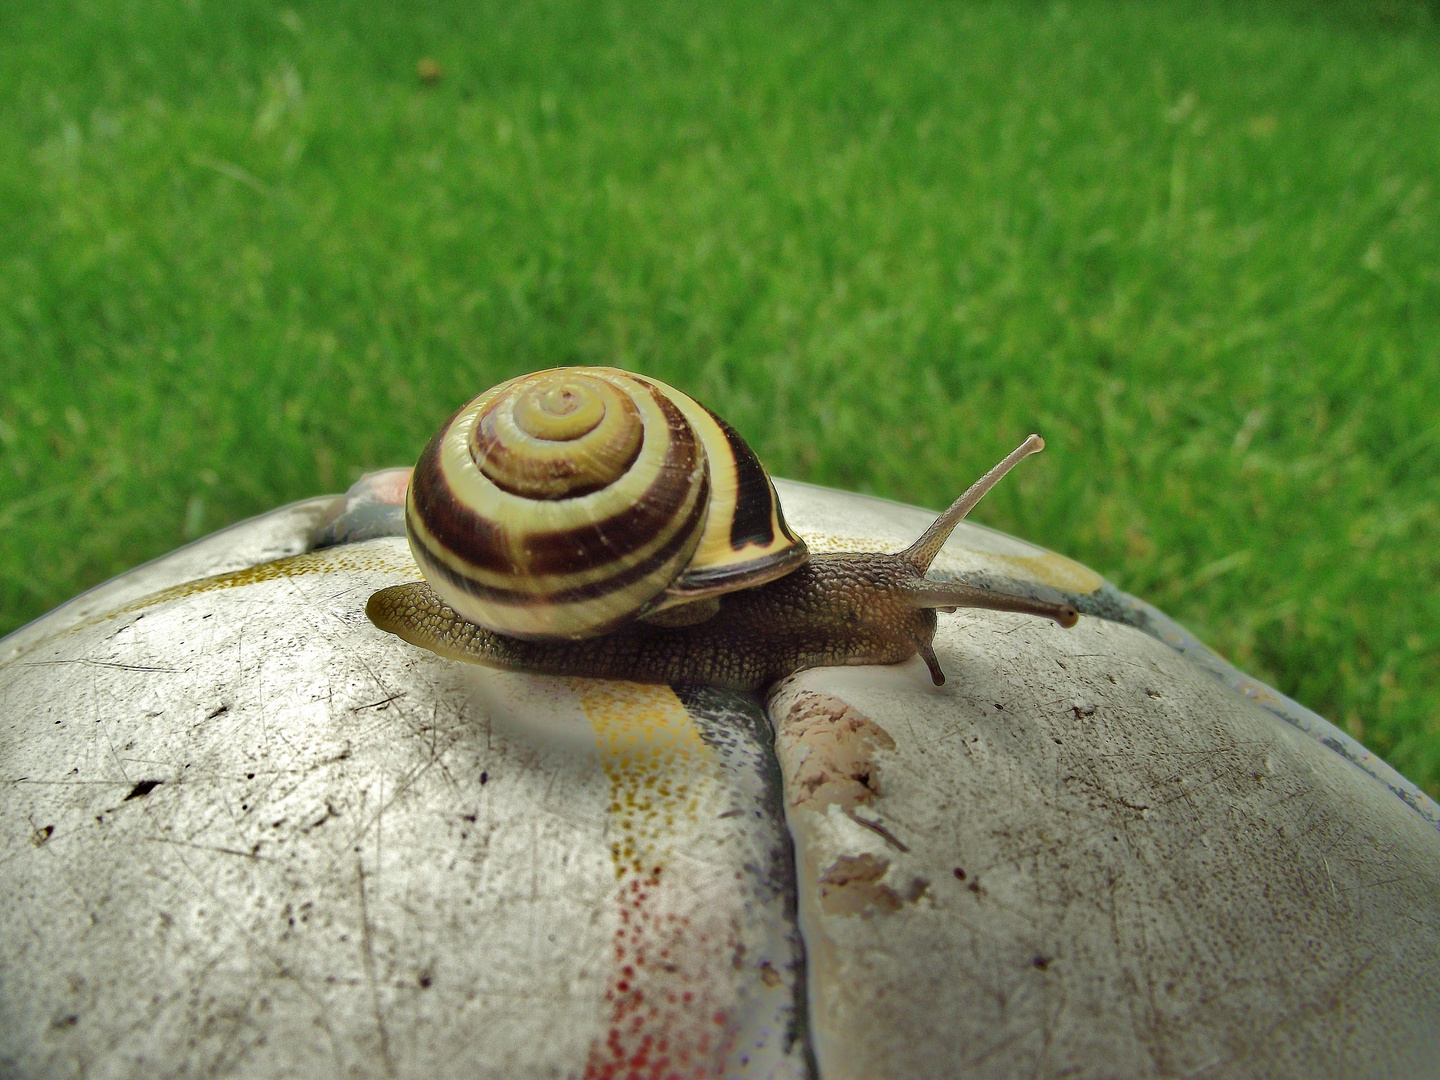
249,250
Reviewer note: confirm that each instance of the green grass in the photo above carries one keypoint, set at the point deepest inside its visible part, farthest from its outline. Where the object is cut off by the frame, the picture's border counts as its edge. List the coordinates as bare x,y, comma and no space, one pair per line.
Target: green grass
246,254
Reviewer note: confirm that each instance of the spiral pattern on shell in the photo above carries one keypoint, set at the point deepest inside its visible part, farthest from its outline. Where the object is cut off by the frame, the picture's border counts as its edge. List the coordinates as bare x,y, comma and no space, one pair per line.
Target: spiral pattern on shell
566,502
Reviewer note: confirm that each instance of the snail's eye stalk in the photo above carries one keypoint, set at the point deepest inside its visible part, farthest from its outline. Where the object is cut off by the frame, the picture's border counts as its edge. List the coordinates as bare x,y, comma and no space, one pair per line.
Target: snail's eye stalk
922,553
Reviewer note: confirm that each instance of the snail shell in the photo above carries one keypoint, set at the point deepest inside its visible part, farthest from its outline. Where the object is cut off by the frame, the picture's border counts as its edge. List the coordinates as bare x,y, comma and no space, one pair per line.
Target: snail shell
565,503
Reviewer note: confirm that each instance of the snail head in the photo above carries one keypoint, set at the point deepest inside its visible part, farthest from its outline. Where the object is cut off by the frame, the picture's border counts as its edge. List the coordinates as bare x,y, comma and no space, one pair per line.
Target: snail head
923,596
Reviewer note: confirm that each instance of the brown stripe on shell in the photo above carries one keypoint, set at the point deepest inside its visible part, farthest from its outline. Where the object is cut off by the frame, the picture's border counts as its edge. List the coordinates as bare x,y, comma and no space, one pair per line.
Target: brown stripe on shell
667,552
639,523
431,498
482,543
510,468
756,507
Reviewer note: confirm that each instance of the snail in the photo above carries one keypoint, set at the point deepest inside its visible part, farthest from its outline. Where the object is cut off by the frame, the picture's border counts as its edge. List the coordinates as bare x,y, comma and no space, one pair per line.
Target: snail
591,521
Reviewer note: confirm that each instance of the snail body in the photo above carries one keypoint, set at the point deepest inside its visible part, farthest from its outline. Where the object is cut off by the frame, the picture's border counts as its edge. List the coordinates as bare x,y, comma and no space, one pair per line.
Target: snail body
657,557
